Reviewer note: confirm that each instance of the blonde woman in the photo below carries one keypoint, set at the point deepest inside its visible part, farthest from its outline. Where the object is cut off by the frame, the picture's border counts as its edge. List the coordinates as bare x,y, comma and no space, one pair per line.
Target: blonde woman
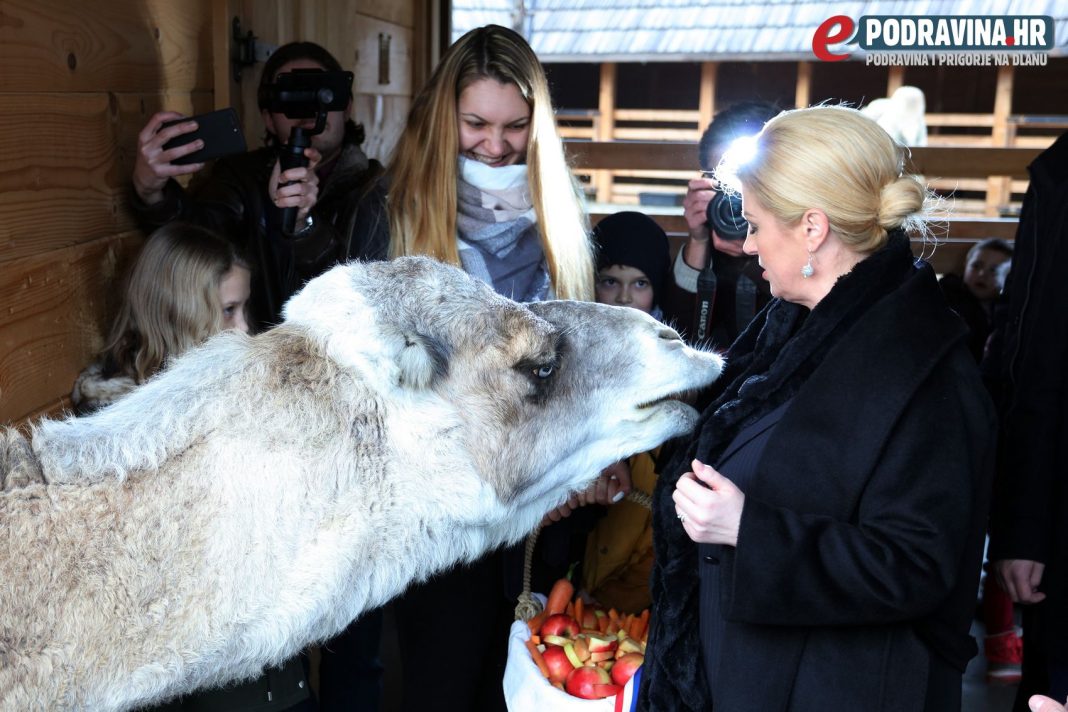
479,180
818,540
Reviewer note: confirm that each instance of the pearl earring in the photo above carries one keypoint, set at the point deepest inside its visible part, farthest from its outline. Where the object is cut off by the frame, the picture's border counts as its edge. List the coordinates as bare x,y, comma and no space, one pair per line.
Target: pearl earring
808,270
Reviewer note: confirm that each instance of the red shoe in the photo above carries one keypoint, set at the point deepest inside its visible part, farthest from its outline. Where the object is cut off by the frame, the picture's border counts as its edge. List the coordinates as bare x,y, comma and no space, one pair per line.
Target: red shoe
1004,657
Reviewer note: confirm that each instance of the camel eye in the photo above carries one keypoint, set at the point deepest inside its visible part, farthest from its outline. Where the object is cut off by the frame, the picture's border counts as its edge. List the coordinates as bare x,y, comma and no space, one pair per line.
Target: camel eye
543,371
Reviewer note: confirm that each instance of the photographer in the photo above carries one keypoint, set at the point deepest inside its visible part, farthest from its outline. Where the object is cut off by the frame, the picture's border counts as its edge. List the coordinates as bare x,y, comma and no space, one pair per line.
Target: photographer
737,289
244,196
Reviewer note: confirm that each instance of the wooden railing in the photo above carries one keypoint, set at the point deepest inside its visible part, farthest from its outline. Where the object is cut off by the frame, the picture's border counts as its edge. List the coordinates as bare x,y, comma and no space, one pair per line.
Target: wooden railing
953,234
972,195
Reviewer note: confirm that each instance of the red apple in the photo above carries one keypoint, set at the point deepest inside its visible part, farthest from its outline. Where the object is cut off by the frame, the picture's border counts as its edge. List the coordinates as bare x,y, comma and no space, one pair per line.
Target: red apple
624,668
560,624
607,690
556,660
601,643
581,681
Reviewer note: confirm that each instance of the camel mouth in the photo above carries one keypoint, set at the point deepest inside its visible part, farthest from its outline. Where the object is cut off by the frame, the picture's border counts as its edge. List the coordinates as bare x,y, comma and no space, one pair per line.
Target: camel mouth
685,397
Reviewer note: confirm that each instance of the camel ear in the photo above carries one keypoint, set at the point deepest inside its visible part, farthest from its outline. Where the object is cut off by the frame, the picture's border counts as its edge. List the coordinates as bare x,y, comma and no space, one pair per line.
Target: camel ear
421,361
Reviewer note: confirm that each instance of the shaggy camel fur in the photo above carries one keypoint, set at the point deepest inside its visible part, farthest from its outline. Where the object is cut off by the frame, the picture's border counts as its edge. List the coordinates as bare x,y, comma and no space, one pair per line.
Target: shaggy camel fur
263,491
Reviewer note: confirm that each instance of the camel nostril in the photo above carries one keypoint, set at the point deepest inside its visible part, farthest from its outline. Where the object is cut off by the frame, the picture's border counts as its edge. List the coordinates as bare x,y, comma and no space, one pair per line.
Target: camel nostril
669,334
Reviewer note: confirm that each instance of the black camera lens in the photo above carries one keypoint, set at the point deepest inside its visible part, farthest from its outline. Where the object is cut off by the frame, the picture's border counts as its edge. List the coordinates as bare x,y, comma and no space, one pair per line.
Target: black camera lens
724,214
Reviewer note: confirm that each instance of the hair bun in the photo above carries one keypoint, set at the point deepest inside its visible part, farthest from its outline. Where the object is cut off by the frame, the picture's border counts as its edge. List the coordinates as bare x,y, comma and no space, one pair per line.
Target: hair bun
899,200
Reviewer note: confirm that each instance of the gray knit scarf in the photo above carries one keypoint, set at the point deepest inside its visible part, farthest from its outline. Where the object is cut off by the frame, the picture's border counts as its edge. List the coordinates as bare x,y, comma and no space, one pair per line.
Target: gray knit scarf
498,231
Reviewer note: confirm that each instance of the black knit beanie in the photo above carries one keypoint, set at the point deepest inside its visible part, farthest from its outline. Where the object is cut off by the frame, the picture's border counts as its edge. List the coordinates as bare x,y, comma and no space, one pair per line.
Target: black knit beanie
633,239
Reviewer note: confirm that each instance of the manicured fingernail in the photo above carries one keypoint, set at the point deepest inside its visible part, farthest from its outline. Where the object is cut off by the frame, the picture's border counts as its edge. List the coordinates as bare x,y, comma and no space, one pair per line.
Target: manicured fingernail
618,496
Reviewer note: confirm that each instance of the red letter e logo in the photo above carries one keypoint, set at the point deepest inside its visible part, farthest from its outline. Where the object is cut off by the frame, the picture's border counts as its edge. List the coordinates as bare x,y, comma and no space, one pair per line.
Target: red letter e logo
825,37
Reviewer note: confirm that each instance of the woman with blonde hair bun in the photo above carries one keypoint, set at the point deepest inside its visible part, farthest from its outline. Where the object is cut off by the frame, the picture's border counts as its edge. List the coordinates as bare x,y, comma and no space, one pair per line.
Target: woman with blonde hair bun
818,538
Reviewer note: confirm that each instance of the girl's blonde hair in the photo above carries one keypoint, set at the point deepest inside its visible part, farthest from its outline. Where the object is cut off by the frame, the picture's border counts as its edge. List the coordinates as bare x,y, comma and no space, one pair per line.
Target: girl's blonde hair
838,160
171,301
422,200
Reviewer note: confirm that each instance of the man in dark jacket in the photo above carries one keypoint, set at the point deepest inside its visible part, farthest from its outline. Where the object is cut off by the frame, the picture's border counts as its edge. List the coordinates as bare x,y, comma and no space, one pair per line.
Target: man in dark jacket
243,197
1028,533
738,290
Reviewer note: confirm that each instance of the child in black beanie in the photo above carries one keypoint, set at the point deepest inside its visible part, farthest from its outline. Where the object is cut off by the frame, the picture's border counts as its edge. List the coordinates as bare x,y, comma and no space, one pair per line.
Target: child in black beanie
633,261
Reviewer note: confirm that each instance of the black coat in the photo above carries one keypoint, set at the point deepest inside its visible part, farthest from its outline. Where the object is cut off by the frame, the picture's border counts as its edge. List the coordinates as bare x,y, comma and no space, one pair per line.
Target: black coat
1029,362
861,537
233,201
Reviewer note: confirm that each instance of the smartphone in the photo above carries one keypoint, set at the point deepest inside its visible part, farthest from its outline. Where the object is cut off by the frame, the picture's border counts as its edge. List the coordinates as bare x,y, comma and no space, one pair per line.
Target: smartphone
220,131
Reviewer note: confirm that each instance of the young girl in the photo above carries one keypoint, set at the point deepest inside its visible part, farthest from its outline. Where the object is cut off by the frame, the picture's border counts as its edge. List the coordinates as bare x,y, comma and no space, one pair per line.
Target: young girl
186,285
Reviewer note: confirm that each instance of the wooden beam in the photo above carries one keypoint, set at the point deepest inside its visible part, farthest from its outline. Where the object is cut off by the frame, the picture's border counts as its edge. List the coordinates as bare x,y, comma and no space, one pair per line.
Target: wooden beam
931,161
605,126
803,91
895,79
998,190
706,102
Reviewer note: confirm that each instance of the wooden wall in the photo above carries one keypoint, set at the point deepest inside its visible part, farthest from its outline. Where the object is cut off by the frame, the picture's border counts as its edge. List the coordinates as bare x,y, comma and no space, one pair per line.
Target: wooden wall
351,30
78,81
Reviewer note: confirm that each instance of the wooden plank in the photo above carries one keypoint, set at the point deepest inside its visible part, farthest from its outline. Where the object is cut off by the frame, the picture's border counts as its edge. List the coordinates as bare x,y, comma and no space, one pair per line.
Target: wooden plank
397,13
998,191
118,46
679,155
59,306
650,134
658,115
706,100
803,91
76,190
605,125
961,120
953,230
666,155
895,78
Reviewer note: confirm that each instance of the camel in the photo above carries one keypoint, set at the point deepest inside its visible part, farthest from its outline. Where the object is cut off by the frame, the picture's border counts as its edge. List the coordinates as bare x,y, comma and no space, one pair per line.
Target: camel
261,492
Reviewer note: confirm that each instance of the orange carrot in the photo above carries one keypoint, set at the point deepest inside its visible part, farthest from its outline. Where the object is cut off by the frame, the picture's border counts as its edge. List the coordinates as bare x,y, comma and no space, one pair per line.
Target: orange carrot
560,596
635,626
579,610
538,659
570,610
645,626
536,621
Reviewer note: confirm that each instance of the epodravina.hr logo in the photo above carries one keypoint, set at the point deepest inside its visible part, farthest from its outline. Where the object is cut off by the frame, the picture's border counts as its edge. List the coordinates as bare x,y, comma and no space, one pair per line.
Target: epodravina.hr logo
930,39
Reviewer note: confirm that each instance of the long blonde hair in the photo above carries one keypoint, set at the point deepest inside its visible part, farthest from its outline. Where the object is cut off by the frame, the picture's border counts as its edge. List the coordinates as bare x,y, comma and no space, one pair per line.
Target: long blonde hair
422,201
171,302
838,160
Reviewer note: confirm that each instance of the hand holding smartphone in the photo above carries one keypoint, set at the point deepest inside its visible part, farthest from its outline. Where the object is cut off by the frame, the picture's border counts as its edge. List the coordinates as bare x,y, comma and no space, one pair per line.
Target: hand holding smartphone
220,130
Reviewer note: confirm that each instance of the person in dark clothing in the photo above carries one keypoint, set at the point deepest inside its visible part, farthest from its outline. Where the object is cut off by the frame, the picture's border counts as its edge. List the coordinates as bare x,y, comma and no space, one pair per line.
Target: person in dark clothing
827,555
242,199
1026,361
243,196
973,295
740,291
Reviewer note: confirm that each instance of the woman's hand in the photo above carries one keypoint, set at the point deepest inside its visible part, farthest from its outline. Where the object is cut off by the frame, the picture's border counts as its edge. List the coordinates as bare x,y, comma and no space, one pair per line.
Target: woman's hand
1041,703
154,165
296,187
708,505
611,486
1020,578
